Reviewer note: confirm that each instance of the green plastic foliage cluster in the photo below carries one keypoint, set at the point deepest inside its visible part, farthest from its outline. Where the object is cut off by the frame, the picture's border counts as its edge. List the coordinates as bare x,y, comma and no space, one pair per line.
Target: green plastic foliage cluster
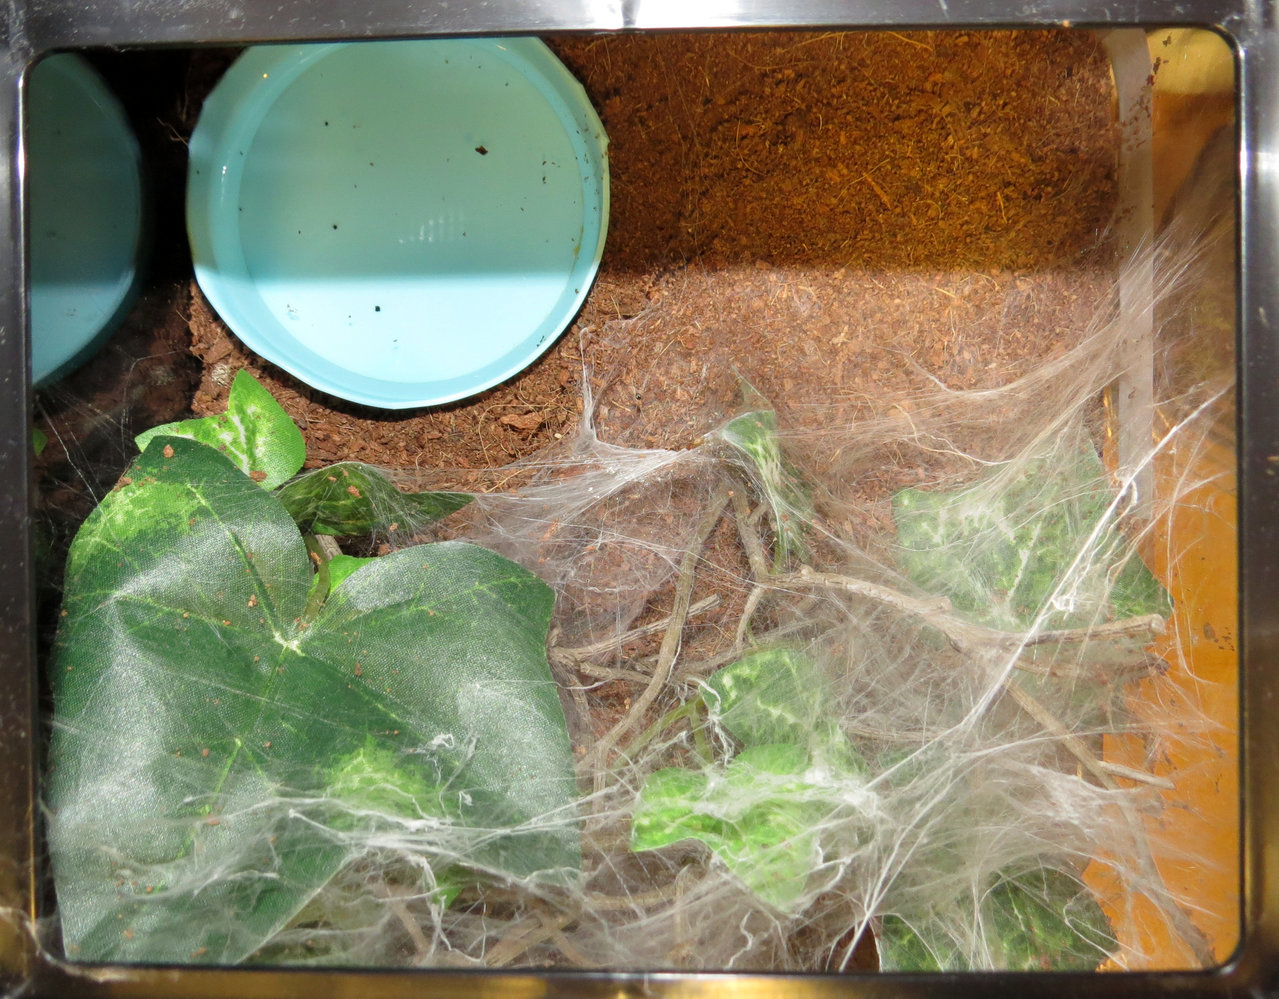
1008,550
794,796
224,744
1042,549
798,802
346,499
758,815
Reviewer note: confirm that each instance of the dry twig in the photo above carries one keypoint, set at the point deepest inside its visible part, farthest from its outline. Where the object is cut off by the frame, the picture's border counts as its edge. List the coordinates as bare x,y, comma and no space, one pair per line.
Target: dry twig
670,642
579,657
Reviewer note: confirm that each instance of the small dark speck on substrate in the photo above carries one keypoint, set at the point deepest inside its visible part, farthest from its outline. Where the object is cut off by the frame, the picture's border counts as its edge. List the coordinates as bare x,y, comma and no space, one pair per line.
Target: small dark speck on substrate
377,308
335,225
481,150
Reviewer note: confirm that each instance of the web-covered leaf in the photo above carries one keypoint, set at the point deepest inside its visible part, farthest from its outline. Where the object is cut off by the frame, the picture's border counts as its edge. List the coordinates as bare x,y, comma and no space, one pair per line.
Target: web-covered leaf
778,695
1005,550
1045,919
767,696
754,436
1040,920
796,791
902,948
255,433
217,757
758,815
351,498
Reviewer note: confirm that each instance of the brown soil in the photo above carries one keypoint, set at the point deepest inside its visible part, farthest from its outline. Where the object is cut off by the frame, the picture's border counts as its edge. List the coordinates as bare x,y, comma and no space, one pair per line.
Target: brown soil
825,215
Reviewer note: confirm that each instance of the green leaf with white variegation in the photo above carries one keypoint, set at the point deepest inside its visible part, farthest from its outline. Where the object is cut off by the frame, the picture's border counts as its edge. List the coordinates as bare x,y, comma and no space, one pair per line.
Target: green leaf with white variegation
755,438
759,816
1046,543
255,433
796,794
217,756
778,695
1036,920
351,498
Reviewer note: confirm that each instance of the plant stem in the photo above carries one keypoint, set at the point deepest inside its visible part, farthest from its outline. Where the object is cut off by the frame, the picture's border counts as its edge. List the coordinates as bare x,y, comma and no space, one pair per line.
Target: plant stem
576,658
750,540
395,902
670,641
320,586
966,636
522,937
700,741
659,726
692,709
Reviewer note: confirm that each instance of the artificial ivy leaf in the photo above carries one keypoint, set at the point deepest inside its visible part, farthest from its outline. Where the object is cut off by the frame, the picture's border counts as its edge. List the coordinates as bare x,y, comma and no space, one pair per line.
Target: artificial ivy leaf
454,635
1041,920
341,566
901,948
205,763
758,817
1010,547
382,797
376,787
1045,920
768,696
666,812
797,789
350,498
255,432
754,436
778,695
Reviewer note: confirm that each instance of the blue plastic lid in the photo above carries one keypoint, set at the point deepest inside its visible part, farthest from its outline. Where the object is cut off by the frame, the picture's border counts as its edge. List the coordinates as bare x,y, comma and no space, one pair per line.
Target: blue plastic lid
84,197
399,223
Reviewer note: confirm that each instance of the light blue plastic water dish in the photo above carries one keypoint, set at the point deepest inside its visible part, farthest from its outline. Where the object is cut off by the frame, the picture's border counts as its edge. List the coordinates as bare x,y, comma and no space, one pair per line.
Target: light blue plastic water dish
84,198
400,223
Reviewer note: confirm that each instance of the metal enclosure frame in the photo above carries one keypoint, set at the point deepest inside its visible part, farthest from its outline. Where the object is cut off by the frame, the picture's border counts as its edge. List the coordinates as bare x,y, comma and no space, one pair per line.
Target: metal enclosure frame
30,28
